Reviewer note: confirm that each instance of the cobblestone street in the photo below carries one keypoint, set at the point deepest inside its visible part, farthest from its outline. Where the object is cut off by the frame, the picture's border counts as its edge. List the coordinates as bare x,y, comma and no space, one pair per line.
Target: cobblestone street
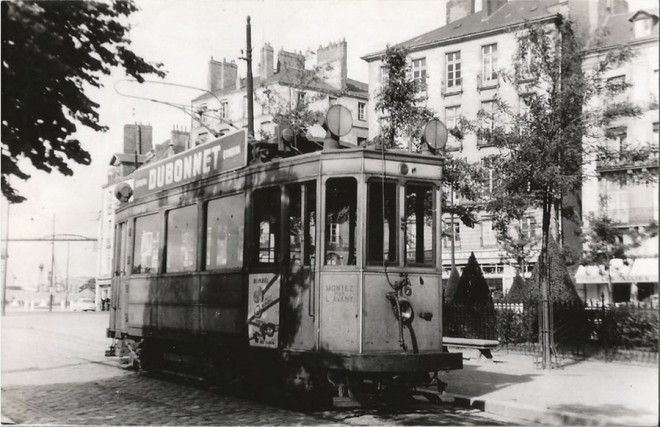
54,372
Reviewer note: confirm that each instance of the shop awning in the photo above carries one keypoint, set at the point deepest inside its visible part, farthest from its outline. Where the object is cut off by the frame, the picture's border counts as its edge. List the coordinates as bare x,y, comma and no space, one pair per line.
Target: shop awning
636,271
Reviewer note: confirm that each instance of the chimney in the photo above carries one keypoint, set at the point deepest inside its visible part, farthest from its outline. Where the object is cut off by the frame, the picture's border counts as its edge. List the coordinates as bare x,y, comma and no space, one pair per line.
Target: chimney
491,6
290,61
457,9
266,64
331,61
221,75
137,137
179,140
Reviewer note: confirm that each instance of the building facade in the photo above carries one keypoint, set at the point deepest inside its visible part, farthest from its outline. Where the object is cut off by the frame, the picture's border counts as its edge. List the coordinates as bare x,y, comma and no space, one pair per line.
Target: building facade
460,67
612,188
279,86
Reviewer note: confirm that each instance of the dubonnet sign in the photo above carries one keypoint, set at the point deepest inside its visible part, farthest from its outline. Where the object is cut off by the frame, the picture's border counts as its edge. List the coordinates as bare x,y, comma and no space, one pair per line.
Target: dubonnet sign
224,154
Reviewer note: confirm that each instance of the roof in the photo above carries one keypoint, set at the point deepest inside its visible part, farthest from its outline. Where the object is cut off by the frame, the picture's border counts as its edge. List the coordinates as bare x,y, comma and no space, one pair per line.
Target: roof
619,28
119,158
292,77
511,14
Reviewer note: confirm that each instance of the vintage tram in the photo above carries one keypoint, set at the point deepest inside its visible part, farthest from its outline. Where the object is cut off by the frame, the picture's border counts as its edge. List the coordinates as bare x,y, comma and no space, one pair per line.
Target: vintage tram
321,268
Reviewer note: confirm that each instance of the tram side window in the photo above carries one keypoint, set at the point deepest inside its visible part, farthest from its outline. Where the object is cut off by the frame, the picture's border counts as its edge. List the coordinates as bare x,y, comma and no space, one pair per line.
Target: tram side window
302,223
382,222
420,223
224,232
120,249
340,221
267,225
147,241
181,239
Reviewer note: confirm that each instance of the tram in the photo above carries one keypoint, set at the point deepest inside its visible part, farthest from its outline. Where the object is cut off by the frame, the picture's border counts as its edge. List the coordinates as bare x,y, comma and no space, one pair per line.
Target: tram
321,267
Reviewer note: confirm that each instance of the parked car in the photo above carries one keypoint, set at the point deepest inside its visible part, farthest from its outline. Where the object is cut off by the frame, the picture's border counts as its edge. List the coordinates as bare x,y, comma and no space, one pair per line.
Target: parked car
83,304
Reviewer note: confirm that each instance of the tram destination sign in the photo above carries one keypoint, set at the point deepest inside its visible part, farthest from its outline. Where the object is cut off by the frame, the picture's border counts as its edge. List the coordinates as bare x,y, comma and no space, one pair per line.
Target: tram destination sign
224,154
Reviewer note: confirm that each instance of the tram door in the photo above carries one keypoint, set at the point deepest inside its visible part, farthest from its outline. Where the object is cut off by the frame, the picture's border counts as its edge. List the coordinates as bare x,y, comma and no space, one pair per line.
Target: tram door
298,328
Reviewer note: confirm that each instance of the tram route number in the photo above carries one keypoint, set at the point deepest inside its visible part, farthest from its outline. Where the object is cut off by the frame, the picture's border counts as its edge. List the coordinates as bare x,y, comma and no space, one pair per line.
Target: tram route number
339,293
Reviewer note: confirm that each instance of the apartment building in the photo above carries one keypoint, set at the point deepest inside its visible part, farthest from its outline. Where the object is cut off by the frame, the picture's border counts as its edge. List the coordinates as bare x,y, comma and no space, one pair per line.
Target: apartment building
630,202
459,66
280,85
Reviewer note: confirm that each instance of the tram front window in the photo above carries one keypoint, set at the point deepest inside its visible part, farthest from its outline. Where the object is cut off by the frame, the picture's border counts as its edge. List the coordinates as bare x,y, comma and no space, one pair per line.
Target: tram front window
302,222
340,220
181,239
147,240
267,223
420,223
381,223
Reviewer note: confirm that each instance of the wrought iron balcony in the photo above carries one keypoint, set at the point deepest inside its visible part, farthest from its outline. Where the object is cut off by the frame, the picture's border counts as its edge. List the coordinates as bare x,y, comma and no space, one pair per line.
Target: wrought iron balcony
633,216
485,84
627,162
455,89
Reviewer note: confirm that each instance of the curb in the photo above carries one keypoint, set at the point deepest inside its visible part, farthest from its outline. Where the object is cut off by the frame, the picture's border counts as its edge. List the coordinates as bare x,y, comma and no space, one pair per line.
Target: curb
528,412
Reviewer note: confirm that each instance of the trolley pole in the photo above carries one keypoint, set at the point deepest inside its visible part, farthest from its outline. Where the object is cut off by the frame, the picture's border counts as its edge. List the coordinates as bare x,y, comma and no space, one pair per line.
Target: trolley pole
250,89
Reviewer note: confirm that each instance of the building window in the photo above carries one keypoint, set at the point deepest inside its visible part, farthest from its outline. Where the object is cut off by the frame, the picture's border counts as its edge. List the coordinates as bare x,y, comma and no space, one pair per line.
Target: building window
526,59
451,121
332,100
301,98
643,27
528,228
490,176
419,74
453,76
362,111
447,235
488,235
181,239
384,75
202,111
489,65
487,122
616,141
224,109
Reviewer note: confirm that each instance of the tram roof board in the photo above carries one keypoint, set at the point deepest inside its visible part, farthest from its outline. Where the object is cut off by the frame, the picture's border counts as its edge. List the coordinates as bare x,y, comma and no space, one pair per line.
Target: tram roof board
221,155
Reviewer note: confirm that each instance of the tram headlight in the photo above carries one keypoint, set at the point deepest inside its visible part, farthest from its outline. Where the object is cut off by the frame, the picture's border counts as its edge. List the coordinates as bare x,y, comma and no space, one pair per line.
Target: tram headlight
407,312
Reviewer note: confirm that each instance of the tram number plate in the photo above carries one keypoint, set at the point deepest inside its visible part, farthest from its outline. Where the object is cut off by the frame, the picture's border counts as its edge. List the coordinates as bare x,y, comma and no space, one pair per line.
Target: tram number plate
264,310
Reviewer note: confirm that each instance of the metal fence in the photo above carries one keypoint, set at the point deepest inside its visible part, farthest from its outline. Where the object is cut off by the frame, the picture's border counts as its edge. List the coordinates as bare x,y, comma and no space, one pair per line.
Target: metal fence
582,330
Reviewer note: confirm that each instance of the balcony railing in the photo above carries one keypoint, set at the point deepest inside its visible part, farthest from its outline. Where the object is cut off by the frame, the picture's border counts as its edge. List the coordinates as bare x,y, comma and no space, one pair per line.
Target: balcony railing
455,89
633,216
626,162
483,84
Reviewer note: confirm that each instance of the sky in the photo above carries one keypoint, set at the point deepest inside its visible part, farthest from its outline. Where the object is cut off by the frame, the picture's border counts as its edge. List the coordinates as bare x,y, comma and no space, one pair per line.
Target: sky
184,35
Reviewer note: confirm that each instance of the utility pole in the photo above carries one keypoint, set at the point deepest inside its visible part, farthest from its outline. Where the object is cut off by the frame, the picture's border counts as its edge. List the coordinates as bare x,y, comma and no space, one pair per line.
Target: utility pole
5,261
52,266
250,89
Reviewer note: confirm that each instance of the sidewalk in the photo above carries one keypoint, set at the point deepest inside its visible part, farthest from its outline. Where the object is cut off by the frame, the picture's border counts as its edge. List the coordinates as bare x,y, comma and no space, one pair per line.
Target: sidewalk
587,392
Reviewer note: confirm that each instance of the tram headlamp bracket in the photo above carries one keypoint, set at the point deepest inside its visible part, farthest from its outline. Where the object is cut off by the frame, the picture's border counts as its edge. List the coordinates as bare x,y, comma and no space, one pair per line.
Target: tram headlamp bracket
407,312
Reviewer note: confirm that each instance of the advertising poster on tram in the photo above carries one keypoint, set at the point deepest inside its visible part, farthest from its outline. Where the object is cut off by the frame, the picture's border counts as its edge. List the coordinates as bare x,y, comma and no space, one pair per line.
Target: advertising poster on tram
264,310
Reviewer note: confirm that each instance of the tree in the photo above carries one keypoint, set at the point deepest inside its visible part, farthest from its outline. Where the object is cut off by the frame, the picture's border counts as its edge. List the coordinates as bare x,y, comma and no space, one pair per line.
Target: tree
560,284
472,287
452,285
51,53
518,290
299,114
401,101
544,146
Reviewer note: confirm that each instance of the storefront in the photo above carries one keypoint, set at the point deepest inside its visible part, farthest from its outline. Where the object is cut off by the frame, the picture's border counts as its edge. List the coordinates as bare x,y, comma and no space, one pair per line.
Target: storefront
632,281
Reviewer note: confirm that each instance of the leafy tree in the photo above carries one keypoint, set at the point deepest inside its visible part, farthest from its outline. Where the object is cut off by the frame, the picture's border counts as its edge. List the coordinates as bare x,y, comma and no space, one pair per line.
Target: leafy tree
299,114
52,52
401,101
519,246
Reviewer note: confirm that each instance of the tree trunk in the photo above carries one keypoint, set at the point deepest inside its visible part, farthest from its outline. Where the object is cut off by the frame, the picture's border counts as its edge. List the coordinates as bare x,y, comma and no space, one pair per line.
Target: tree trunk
544,277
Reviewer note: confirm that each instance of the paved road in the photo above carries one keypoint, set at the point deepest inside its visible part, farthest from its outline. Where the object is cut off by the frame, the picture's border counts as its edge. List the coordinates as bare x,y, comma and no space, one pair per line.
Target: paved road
54,372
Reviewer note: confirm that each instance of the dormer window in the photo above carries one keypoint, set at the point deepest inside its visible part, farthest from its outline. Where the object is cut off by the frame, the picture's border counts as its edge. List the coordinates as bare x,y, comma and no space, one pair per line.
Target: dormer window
644,24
